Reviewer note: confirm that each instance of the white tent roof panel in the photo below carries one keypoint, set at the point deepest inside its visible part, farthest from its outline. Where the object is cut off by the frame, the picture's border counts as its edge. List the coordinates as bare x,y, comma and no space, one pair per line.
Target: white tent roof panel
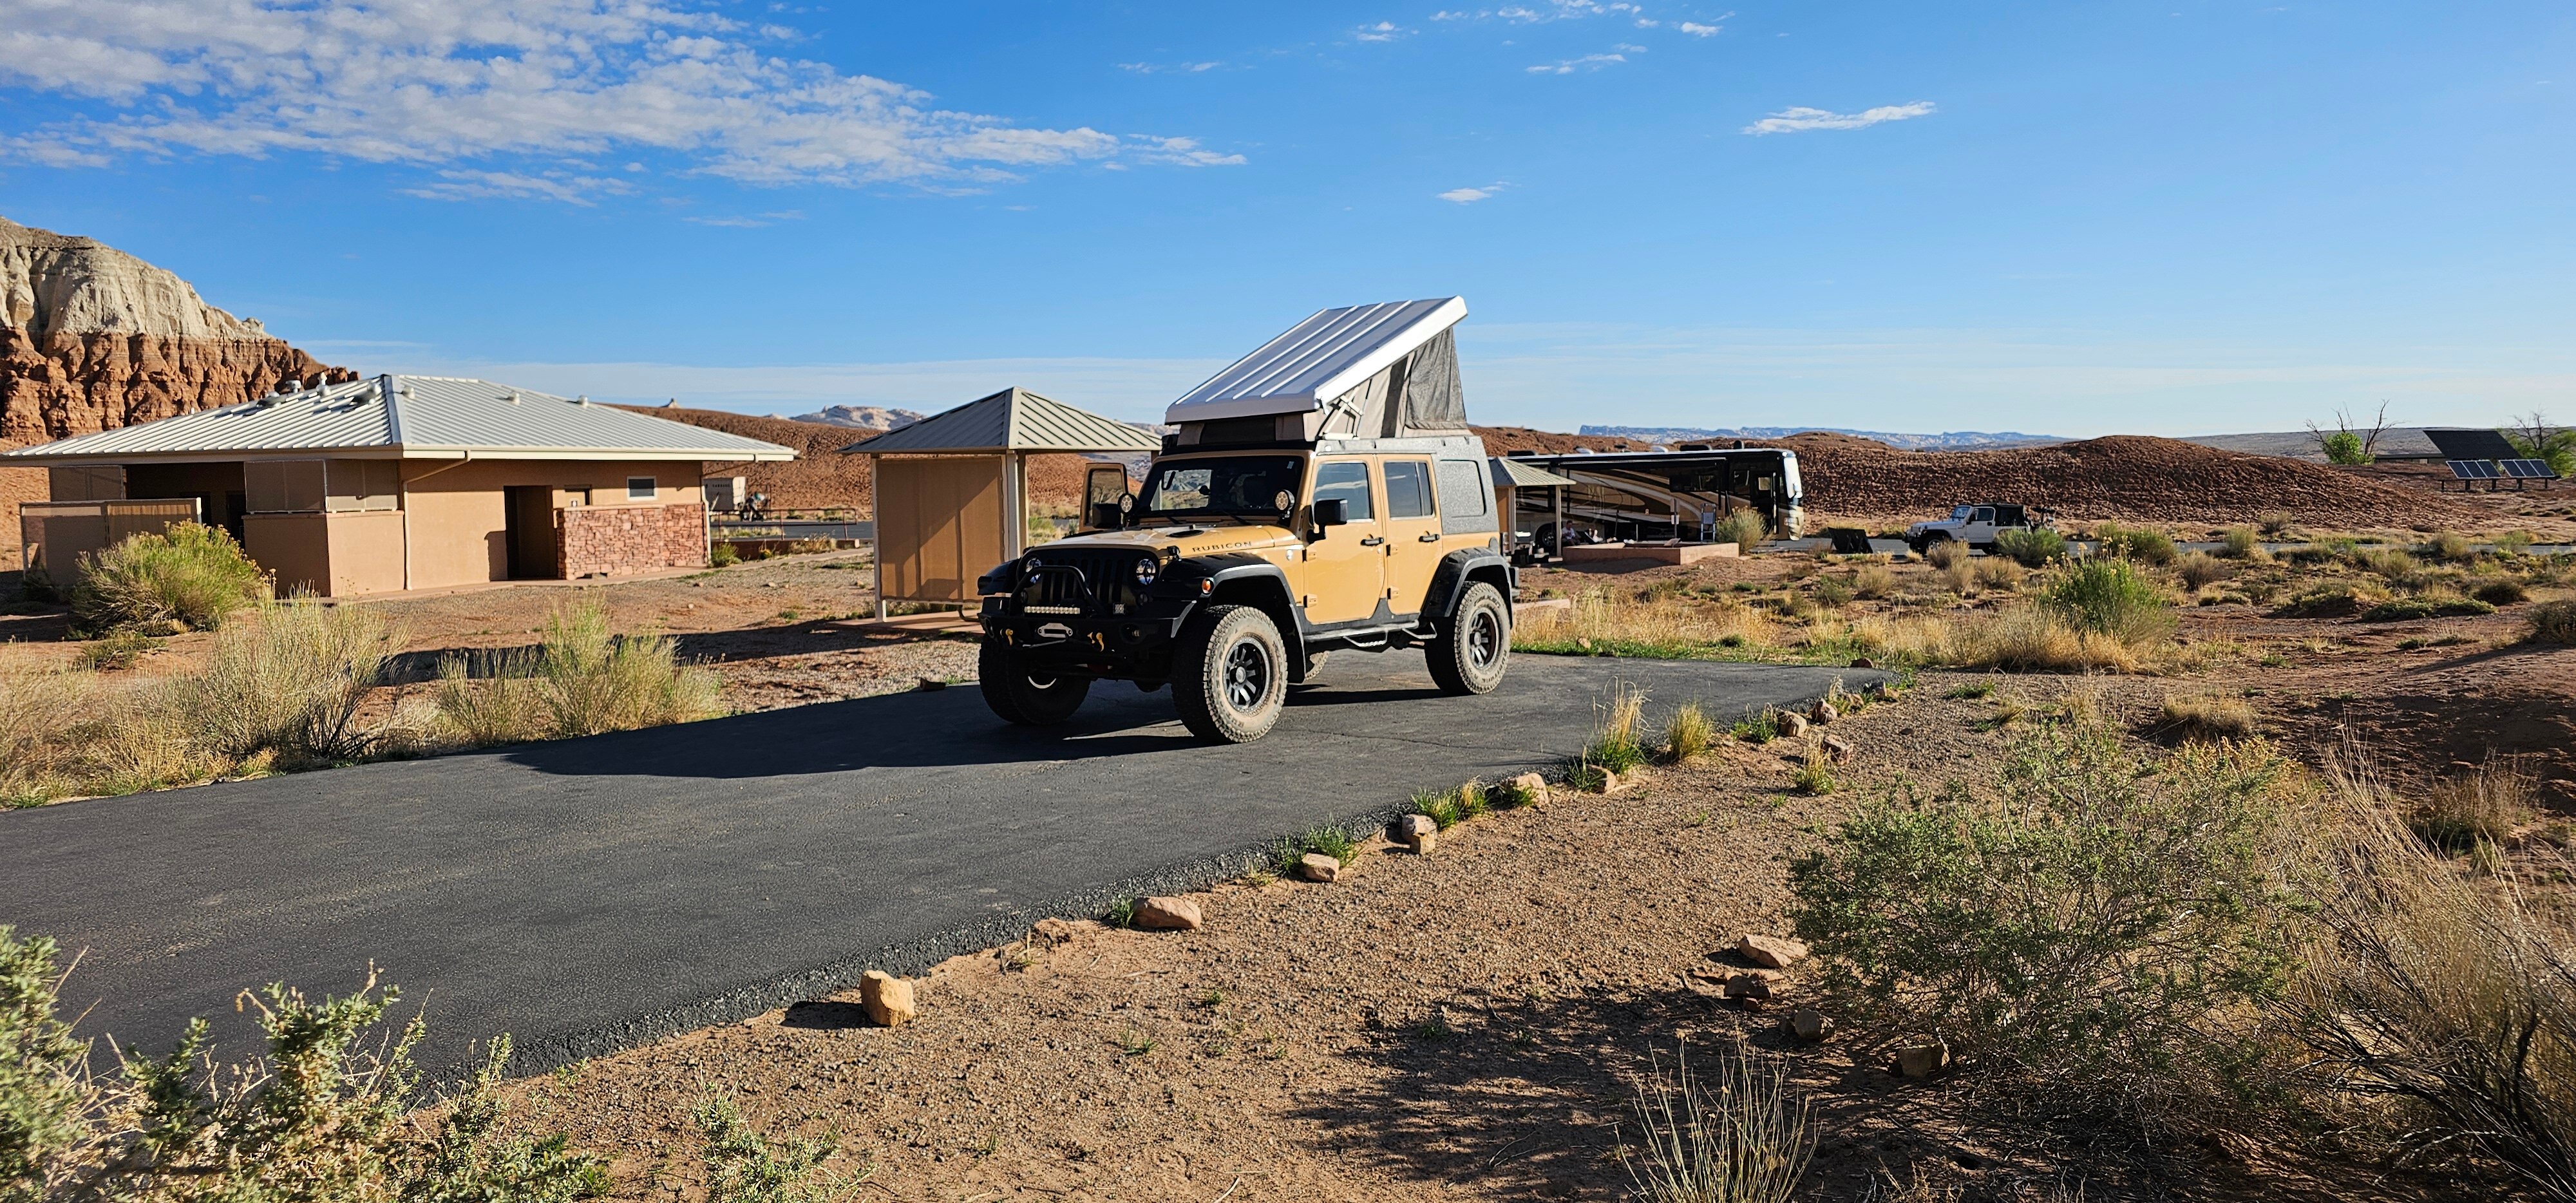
1318,359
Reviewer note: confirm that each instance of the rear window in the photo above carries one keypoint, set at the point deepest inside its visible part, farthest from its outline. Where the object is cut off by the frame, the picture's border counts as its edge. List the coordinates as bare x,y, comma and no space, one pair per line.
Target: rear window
1408,489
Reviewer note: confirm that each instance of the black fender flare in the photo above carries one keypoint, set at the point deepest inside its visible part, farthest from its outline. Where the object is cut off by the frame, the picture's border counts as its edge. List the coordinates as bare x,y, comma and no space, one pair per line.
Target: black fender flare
1462,568
1238,580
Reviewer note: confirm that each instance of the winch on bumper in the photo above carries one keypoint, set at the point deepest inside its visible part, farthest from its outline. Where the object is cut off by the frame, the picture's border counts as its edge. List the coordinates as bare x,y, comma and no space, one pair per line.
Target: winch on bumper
1094,612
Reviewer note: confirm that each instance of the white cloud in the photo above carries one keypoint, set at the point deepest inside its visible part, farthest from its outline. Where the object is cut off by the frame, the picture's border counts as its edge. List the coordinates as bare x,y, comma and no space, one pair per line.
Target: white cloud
752,222
554,186
1167,68
488,91
1589,62
1469,196
1697,30
1800,120
1383,31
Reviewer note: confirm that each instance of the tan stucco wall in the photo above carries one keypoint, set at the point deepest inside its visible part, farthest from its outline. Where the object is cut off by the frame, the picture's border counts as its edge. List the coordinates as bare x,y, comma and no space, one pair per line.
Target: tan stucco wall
294,548
366,551
459,515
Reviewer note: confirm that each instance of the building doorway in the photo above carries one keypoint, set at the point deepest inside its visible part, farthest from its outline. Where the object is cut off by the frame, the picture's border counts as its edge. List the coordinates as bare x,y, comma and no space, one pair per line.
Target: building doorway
529,531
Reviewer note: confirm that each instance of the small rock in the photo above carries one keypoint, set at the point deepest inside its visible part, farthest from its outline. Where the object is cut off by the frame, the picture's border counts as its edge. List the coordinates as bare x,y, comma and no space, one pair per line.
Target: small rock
1414,827
1775,952
1825,712
887,998
1746,985
1922,1060
1315,866
1810,1024
1792,724
1609,782
1169,914
1836,749
1863,662
1531,786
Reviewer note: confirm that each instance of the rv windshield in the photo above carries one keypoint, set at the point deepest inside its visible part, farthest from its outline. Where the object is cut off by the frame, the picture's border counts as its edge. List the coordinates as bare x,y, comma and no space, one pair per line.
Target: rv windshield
1240,486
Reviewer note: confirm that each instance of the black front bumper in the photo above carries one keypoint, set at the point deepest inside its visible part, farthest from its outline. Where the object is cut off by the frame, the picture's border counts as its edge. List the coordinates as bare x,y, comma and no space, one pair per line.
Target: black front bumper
1126,647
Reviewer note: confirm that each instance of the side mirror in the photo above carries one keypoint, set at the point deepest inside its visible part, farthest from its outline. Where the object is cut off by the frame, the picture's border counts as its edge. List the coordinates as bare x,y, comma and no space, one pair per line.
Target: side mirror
1105,515
1330,512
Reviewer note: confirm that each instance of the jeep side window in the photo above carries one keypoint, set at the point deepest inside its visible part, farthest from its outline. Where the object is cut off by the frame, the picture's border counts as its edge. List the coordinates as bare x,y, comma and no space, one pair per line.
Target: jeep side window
1349,482
1408,489
1963,513
1984,514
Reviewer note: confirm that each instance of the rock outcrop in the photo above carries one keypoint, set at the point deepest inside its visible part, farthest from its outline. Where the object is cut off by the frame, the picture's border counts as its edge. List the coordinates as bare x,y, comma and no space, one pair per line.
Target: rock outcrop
92,338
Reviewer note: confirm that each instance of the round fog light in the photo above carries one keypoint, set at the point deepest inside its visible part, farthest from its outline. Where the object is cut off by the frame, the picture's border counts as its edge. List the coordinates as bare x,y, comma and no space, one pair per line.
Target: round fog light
1146,570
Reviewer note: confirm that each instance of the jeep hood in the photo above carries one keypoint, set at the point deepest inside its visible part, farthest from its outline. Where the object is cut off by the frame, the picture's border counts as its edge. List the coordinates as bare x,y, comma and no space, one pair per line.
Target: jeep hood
1214,539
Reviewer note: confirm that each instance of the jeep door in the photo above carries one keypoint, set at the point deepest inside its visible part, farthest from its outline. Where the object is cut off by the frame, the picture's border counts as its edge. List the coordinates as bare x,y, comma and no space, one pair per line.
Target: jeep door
1345,567
1413,547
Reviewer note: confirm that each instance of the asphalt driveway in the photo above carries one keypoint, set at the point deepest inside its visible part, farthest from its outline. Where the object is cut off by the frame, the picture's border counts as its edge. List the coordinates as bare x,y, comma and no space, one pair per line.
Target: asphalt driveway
592,894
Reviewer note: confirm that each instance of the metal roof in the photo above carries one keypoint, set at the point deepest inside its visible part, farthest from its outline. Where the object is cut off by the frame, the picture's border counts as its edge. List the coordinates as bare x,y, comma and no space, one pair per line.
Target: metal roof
1318,359
409,417
1511,475
1013,419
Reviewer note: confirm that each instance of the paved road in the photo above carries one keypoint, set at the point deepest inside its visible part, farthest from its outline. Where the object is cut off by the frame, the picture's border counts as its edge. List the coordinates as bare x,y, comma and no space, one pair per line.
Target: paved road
592,894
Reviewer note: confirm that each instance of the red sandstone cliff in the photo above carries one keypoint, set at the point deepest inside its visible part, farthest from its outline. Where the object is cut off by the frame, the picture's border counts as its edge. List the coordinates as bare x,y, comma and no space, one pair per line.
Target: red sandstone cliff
92,338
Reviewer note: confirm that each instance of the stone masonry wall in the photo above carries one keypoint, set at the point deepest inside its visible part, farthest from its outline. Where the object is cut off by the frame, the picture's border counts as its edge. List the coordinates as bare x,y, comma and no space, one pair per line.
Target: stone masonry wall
619,540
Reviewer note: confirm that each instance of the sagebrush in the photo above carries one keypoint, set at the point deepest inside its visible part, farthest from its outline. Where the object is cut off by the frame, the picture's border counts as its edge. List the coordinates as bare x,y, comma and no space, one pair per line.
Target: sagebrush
191,575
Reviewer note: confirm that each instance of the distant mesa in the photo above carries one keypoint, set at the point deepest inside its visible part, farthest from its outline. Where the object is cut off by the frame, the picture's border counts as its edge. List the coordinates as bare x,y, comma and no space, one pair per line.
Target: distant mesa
1958,440
92,339
862,417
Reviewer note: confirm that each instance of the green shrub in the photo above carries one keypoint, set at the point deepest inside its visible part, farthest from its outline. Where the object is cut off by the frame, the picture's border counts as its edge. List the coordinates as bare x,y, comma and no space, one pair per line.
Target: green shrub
2082,924
288,681
2199,570
2409,608
2447,547
2345,449
326,1114
191,574
1814,776
723,555
2241,543
1688,735
1324,839
582,680
2554,622
2111,597
2513,543
2328,601
2502,592
2142,544
744,1166
2032,548
118,650
1616,745
1743,528
1833,592
1758,729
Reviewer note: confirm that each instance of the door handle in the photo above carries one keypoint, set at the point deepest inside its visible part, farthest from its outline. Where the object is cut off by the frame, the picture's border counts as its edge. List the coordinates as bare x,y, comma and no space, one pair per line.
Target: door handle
1372,540
1432,536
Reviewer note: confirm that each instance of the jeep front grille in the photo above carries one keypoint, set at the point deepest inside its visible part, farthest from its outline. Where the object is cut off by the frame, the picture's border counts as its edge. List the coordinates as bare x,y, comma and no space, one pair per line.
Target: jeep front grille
1078,582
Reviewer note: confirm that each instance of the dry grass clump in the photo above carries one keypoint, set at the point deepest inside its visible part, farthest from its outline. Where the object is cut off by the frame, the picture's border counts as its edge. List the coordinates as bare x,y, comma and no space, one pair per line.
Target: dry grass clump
2448,547
582,680
2503,591
1688,735
1745,1140
288,683
1873,581
2441,997
2205,717
2200,570
1969,576
1946,552
2242,543
70,732
1743,528
2554,622
1601,622
2021,638
2486,803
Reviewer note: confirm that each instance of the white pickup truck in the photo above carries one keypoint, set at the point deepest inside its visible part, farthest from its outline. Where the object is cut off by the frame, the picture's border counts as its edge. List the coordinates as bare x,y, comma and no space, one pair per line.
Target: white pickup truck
1975,525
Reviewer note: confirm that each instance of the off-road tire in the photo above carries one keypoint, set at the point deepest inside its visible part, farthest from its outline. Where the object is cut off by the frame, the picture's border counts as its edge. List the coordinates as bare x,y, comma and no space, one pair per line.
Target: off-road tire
1020,698
1230,674
1475,645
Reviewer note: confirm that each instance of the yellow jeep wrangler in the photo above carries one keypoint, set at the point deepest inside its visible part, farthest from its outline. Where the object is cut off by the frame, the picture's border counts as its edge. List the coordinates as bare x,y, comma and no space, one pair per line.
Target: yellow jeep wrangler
1235,569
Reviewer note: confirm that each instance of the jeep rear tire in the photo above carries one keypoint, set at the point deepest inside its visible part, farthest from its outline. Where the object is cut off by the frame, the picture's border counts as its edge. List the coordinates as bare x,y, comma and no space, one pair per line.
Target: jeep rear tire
1019,696
1230,674
1475,646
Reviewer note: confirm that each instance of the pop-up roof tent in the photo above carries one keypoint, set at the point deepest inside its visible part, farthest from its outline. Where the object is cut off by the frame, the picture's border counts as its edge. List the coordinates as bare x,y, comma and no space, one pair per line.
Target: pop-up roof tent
1387,370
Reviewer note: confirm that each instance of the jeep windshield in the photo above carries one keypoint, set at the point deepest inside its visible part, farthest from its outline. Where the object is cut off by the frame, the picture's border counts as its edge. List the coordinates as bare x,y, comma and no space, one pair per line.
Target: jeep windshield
1234,486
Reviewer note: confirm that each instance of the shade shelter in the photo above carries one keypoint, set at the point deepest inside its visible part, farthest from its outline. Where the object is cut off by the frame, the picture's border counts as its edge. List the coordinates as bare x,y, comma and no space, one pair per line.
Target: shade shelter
950,492
395,482
1514,486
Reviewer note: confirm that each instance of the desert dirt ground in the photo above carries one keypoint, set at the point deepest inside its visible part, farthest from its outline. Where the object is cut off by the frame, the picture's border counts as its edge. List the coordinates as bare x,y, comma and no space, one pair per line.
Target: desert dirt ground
1470,1025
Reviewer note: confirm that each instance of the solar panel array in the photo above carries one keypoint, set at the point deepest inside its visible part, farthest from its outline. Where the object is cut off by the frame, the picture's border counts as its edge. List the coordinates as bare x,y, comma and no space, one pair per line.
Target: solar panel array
2457,443
2473,469
2527,469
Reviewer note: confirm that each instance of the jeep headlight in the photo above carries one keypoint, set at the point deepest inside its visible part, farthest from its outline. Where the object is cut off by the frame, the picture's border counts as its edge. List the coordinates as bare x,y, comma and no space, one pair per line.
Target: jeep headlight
1147,569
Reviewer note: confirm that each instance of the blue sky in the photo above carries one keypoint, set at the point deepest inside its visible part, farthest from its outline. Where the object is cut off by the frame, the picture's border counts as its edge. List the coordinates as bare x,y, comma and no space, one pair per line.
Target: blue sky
2172,218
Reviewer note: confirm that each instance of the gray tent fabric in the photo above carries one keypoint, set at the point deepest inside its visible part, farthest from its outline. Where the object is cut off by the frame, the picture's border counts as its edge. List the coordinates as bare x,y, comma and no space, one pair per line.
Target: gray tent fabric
1434,399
